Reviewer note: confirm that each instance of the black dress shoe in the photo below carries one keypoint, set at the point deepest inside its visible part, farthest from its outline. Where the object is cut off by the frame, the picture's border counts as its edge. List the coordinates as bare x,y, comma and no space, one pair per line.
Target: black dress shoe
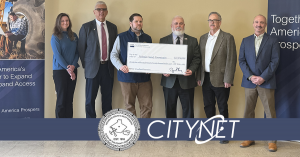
224,141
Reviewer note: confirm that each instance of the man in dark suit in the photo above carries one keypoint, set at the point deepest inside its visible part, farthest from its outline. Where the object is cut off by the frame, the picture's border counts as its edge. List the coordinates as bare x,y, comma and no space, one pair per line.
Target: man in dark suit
216,73
96,39
182,86
259,59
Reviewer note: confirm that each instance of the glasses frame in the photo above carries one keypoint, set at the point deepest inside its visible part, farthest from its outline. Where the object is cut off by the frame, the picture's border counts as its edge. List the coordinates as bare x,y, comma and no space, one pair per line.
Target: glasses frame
101,9
214,20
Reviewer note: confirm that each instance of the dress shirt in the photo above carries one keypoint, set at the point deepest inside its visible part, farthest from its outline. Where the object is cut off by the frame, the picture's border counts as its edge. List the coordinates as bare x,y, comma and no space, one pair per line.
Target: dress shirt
175,39
100,39
210,44
258,40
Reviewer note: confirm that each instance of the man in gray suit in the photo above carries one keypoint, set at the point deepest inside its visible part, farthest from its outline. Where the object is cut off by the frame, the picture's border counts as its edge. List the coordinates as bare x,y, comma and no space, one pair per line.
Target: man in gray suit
216,72
182,86
96,39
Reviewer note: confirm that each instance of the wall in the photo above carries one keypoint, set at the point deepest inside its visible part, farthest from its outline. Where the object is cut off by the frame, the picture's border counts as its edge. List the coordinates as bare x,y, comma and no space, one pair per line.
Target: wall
237,18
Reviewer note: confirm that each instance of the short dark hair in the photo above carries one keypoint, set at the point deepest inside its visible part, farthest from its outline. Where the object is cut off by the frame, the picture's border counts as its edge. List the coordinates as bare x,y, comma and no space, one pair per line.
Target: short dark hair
133,15
12,13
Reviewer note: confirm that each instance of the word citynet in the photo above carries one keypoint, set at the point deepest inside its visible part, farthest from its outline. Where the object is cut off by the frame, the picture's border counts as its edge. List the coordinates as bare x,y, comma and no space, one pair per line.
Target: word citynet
213,132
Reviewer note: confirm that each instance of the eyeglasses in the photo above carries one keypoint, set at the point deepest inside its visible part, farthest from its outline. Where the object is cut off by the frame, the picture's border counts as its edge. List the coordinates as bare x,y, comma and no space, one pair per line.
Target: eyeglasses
101,9
214,20
180,24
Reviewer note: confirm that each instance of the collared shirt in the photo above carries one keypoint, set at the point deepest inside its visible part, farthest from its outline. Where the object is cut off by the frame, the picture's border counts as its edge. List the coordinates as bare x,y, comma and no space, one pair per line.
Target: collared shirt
18,27
137,36
100,37
115,53
175,39
210,44
258,40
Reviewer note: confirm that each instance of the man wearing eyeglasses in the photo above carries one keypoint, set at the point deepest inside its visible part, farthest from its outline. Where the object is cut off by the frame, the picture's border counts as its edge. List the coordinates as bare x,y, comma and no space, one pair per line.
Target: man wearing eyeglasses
96,39
216,73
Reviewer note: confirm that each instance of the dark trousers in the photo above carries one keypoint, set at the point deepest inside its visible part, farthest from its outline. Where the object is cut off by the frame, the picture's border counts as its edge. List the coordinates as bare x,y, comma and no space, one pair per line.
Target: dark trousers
186,97
7,42
64,88
104,80
210,93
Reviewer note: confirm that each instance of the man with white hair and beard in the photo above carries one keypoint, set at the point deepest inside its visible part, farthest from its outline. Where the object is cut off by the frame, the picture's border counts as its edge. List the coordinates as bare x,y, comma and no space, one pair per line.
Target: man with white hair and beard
216,72
182,86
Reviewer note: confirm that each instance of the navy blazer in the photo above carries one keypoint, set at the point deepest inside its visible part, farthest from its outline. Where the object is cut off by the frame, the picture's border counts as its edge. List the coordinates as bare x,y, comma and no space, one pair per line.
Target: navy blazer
89,48
263,65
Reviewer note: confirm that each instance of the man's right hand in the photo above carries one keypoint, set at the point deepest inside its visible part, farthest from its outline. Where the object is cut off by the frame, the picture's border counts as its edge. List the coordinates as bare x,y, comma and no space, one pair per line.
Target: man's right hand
199,82
166,75
124,68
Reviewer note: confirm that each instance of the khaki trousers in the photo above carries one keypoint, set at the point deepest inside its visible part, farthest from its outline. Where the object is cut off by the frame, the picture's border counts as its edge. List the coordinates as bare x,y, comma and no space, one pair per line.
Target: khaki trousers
143,91
267,98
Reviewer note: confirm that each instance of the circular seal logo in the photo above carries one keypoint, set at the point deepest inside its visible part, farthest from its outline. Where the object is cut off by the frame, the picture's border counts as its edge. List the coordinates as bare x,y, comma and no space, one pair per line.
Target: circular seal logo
119,129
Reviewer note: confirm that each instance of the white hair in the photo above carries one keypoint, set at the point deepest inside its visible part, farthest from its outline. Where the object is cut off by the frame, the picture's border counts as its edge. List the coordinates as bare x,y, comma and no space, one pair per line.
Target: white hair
99,3
177,17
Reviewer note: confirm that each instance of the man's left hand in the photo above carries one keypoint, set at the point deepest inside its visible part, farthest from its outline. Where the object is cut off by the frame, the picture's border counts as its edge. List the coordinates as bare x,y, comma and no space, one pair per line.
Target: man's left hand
227,85
188,72
260,80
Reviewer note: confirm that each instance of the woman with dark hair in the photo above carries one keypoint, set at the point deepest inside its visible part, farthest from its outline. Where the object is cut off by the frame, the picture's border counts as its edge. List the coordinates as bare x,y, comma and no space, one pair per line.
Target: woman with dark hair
65,58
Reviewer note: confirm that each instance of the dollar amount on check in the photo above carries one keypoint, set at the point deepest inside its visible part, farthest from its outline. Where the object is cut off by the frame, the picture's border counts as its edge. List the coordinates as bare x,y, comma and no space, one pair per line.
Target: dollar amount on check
156,58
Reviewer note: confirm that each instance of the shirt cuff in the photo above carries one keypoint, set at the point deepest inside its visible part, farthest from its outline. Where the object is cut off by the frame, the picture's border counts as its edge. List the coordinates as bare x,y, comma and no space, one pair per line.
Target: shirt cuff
249,78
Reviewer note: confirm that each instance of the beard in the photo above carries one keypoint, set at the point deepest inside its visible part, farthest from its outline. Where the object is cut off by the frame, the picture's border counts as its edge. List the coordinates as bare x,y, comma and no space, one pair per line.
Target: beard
137,29
178,31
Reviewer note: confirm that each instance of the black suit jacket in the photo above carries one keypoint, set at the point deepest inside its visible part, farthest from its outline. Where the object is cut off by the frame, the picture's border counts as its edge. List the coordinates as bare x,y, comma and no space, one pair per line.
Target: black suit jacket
193,61
89,48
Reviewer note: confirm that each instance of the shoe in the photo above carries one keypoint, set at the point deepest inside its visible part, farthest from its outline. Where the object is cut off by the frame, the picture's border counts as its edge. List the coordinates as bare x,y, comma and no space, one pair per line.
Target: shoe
247,144
224,141
272,147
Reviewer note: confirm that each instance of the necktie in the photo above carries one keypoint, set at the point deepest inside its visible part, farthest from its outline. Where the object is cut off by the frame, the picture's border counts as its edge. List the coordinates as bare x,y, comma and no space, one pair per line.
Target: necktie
178,40
104,43
176,85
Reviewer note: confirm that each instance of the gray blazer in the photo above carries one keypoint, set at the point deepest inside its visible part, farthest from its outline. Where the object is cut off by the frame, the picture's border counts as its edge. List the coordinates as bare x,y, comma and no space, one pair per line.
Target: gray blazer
223,60
193,61
89,48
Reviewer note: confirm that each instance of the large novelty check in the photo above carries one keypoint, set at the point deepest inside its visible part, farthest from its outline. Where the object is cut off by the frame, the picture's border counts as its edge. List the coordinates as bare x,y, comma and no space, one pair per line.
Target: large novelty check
156,58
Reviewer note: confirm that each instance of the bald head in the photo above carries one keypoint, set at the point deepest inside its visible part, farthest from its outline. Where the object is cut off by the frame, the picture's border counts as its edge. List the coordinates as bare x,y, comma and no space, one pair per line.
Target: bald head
261,16
259,24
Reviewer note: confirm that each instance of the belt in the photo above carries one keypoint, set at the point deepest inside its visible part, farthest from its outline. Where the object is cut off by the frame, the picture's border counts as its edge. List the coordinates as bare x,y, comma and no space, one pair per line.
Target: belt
103,62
